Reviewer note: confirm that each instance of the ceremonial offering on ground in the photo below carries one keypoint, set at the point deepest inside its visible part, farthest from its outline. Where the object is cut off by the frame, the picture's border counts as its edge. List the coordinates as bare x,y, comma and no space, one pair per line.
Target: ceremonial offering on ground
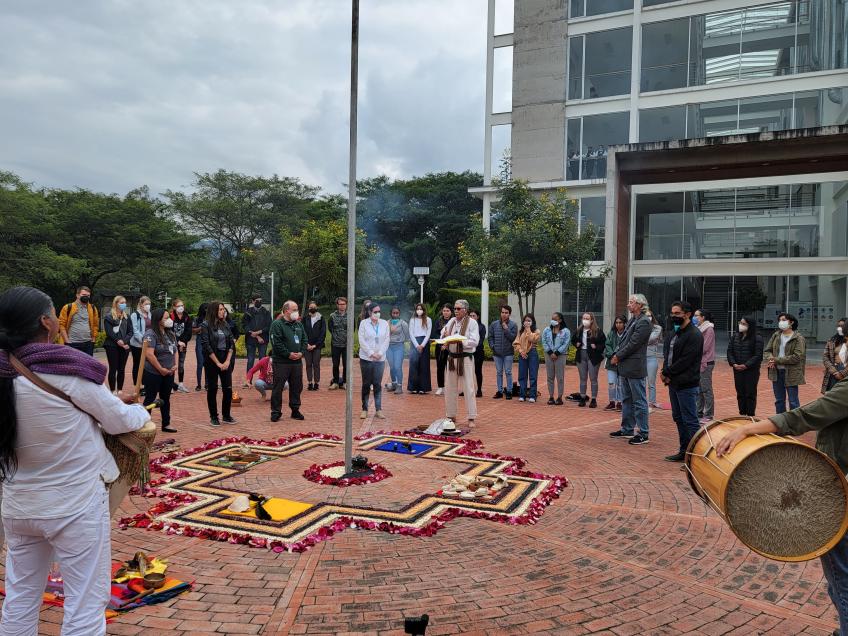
782,498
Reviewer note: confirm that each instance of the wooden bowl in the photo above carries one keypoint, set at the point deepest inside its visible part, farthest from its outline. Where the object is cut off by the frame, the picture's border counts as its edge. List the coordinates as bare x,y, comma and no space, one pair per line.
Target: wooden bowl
250,457
235,456
154,581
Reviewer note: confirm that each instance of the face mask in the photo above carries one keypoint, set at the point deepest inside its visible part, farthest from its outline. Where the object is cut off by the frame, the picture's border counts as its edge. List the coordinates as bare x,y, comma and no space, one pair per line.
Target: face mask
168,323
695,320
528,324
783,325
419,312
294,315
84,299
743,328
376,315
587,323
257,303
677,321
395,320
840,331
312,310
122,306
146,309
554,323
180,309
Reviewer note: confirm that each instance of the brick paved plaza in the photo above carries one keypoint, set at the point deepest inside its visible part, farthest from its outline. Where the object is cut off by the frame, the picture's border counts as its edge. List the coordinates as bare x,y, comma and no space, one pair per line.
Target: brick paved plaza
627,549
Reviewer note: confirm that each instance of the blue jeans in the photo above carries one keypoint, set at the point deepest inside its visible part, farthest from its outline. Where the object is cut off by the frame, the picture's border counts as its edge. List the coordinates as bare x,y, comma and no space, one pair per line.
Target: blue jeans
255,351
261,386
653,364
684,411
503,364
528,372
634,405
612,386
835,566
781,392
395,358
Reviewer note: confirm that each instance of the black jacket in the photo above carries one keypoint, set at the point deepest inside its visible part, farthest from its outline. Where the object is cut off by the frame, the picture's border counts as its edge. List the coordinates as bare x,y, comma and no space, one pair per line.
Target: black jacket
209,340
315,335
684,370
182,326
596,355
747,351
124,332
478,352
256,319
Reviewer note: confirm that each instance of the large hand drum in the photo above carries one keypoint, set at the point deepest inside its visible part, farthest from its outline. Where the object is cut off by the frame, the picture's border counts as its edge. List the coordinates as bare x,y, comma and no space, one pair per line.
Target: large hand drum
780,497
132,454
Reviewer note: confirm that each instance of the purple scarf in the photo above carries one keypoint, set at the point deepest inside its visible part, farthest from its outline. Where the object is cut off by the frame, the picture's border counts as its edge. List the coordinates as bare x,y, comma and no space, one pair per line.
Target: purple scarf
54,359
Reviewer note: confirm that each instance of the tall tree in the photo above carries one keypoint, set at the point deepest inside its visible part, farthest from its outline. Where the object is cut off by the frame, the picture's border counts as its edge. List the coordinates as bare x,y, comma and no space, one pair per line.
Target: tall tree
239,216
533,241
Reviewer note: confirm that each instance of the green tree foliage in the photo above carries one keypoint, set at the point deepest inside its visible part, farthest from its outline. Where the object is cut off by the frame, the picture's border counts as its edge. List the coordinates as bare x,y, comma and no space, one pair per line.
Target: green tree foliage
533,241
419,222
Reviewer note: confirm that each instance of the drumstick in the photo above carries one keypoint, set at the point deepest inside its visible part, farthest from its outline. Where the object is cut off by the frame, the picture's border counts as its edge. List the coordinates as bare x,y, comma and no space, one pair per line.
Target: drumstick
140,373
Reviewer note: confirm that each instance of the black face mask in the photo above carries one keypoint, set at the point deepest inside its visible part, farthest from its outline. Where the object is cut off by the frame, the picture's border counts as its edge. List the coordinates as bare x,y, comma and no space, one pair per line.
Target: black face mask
677,320
84,299
257,303
312,310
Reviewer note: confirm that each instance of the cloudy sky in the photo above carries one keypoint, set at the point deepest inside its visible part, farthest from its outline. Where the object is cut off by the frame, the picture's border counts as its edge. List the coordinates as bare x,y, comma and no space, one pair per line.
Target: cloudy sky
113,94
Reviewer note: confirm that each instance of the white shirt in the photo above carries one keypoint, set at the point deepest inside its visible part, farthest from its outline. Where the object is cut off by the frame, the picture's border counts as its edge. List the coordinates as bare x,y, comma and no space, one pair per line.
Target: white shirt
62,459
416,329
373,338
454,327
843,354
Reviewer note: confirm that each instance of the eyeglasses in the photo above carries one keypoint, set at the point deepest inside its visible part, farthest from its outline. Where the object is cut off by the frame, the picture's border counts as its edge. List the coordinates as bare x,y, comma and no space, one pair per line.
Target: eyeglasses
458,308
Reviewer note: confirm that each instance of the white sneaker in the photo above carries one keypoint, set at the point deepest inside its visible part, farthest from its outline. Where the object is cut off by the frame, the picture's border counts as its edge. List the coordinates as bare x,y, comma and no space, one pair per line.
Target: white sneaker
363,415
182,388
379,415
440,391
520,399
532,400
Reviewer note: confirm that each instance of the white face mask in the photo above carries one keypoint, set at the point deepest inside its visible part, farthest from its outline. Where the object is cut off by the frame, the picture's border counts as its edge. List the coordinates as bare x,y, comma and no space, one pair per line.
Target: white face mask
840,331
376,315
528,324
294,315
554,323
167,323
743,328
783,325
419,312
180,309
587,323
146,309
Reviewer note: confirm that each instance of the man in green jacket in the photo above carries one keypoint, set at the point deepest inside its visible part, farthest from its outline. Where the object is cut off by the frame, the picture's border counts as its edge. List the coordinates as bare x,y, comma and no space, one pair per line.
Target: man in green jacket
828,416
288,344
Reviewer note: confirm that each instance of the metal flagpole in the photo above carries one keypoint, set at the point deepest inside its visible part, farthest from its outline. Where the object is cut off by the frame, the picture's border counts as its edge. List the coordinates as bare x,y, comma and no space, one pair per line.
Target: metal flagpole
351,236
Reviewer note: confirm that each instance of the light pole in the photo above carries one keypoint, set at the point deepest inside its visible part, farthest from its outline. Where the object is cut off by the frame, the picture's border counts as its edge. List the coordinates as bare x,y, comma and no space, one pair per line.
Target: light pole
421,272
163,295
262,280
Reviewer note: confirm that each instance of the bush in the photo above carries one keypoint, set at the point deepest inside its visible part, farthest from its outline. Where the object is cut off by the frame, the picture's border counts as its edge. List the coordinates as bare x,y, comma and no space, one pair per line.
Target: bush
449,294
100,339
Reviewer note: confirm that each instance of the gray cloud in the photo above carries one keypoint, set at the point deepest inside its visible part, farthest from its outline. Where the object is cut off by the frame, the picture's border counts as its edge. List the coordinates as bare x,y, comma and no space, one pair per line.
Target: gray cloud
112,94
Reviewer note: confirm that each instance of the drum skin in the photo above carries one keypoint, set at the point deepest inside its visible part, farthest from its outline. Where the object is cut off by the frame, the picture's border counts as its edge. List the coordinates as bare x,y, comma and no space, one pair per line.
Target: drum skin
782,498
130,463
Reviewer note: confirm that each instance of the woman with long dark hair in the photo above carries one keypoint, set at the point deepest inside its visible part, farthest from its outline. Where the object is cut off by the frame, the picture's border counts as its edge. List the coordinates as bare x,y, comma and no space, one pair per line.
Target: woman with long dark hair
528,358
610,348
160,364
745,357
218,351
555,341
786,359
835,357
119,331
182,331
196,328
420,329
441,351
54,466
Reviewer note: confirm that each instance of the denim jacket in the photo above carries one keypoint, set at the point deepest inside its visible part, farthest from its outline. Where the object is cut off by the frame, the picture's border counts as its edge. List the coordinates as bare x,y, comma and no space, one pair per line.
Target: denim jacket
558,345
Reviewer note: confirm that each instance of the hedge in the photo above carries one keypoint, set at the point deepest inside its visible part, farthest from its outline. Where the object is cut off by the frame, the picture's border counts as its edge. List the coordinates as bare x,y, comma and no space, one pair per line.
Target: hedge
447,295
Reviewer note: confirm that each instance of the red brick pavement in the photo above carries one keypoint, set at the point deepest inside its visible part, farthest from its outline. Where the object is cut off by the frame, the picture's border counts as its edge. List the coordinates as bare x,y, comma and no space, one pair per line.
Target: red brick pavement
628,549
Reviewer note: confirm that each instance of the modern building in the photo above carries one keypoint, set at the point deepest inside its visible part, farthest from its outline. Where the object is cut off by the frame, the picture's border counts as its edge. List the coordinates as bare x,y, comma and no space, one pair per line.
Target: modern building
677,128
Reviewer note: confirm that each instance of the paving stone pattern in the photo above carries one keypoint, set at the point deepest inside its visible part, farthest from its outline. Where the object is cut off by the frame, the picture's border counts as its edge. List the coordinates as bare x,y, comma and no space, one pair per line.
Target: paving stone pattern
627,549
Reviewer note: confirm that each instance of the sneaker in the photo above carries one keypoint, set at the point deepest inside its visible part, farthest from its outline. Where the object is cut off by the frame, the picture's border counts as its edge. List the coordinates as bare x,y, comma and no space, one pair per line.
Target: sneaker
197,388
521,399
229,420
582,402
551,401
379,415
508,396
479,393
619,434
705,420
168,429
182,388
559,402
297,415
462,394
440,391
275,418
531,400
245,385
497,396
678,457
333,386
215,421
363,415
618,406
398,391
610,406
316,387
593,404
638,439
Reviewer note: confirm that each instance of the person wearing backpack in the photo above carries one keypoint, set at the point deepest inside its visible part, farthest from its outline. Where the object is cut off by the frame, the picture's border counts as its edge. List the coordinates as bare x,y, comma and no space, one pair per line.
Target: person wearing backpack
79,322
141,321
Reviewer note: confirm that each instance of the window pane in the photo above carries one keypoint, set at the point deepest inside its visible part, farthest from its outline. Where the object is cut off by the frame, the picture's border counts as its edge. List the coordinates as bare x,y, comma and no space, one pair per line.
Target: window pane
593,212
804,219
589,298
665,49
501,142
827,34
714,45
821,108
651,3
597,7
608,56
833,215
599,132
660,291
662,124
577,8
502,80
712,119
818,302
572,148
708,223
659,226
768,41
504,16
769,113
575,67
762,222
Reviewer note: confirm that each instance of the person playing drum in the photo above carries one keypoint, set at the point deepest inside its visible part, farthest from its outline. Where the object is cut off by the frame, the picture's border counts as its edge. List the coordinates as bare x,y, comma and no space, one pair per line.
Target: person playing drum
55,466
828,416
